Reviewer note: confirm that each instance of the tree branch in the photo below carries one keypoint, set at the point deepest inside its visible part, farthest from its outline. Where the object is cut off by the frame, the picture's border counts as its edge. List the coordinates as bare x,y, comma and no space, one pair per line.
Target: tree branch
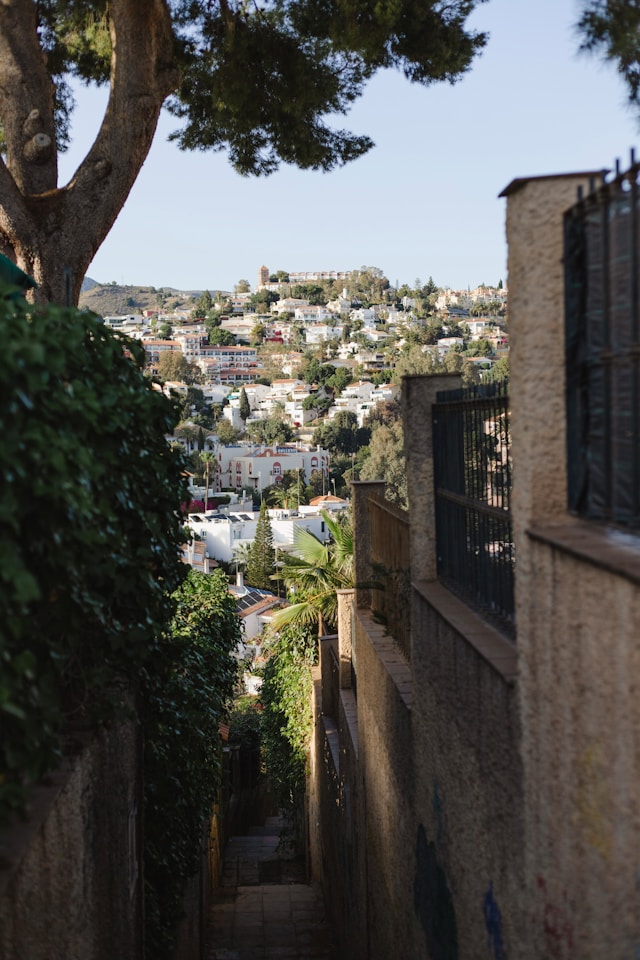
143,73
26,100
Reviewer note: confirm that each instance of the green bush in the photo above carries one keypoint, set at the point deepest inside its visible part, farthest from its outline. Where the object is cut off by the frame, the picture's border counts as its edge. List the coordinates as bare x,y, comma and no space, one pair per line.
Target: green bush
90,529
186,689
287,719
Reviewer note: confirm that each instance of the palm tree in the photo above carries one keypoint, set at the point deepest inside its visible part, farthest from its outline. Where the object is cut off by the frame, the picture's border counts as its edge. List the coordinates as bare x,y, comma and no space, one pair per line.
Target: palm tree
240,557
314,572
207,459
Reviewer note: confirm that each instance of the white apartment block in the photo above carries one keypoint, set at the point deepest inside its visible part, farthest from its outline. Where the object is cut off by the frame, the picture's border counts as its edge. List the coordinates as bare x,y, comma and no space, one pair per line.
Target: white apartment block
321,332
223,534
252,468
153,348
359,389
239,327
282,389
445,344
313,276
288,305
313,314
367,315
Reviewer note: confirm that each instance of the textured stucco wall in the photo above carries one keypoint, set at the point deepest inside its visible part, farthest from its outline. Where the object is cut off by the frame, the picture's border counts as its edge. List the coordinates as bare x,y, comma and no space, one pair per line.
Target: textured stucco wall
536,349
578,622
581,754
65,877
385,761
420,815
468,788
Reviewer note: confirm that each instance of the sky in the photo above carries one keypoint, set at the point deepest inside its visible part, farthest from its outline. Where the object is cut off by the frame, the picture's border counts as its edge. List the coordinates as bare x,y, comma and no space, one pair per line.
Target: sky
422,203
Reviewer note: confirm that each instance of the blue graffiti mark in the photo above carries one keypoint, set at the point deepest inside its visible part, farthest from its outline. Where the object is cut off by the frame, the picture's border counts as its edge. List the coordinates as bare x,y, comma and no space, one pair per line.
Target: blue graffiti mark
493,923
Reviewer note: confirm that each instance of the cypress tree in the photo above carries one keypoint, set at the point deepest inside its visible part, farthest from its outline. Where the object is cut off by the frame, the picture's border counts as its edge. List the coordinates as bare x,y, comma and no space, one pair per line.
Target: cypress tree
245,407
261,562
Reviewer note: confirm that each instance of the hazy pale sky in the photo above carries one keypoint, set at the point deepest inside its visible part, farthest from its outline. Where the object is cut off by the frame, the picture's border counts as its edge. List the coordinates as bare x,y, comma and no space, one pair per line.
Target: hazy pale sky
424,201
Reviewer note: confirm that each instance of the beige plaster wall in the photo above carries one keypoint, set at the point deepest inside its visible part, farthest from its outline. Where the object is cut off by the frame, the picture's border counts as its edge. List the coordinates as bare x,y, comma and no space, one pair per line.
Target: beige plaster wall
468,785
578,623
536,348
70,885
581,753
420,813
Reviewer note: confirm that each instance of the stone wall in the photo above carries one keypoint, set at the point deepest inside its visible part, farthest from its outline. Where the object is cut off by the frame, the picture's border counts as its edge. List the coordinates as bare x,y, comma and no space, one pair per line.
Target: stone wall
482,799
420,793
70,875
578,618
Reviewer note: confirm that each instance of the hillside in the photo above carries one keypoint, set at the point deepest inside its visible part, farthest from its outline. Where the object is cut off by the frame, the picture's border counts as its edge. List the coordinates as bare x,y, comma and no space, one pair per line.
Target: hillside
110,299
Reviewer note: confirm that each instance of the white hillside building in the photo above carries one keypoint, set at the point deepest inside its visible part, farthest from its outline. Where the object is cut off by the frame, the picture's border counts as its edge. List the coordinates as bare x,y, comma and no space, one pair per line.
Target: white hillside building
223,534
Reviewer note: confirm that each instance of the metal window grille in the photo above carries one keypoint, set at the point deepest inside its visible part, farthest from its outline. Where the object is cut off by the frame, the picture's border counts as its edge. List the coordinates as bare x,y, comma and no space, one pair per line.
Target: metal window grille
472,471
602,311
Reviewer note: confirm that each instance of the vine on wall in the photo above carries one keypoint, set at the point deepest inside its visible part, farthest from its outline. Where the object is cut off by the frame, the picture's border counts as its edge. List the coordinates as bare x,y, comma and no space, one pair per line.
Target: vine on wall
286,716
187,688
90,529
93,595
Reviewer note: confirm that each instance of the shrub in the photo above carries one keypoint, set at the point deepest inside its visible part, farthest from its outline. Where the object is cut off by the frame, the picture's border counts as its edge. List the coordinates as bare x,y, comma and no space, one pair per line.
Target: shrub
287,717
186,689
89,550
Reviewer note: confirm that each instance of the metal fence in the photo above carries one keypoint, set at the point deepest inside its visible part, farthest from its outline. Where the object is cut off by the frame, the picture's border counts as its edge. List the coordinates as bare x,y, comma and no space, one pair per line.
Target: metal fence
472,471
391,566
602,320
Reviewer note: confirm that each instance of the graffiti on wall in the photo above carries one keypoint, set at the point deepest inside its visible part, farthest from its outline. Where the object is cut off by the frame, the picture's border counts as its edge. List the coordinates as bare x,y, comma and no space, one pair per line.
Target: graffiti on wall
592,809
556,923
433,902
493,923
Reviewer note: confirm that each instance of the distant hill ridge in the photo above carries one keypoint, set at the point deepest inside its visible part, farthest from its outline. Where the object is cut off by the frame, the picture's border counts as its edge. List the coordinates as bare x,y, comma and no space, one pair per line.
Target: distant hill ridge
111,299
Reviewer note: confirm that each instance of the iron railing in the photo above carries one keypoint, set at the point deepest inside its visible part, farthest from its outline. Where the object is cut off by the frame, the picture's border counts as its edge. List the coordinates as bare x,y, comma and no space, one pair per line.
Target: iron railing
391,566
472,473
602,321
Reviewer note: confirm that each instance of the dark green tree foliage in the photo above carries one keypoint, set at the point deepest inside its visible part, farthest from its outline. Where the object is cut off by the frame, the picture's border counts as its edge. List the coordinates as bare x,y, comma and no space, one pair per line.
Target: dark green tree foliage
261,564
221,338
342,434
386,461
315,293
245,406
262,299
271,431
612,29
186,691
91,528
259,80
499,372
286,716
203,305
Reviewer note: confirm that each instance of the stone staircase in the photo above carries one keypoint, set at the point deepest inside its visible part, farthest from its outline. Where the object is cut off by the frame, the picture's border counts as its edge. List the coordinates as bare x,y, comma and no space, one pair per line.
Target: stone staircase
265,908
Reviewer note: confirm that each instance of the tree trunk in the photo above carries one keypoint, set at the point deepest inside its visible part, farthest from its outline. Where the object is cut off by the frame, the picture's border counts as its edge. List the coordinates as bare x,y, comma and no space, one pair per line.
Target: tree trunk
53,232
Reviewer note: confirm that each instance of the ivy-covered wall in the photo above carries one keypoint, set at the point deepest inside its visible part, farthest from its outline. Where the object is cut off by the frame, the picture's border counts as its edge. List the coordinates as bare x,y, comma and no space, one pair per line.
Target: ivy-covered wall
99,623
89,530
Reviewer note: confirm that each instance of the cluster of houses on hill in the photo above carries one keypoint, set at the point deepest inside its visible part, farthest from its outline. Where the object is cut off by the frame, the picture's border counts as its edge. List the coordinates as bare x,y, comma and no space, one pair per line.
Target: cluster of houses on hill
296,321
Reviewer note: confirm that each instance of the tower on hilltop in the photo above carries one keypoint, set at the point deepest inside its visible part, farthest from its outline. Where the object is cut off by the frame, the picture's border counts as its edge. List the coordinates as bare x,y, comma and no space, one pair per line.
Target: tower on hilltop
263,276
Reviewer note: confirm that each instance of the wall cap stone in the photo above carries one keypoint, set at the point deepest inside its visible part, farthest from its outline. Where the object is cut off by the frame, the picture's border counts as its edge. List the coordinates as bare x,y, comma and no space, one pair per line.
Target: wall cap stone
605,547
485,639
519,182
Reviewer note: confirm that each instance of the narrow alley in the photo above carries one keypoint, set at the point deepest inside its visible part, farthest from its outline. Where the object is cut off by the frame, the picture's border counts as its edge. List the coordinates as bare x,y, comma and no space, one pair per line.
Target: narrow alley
264,908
